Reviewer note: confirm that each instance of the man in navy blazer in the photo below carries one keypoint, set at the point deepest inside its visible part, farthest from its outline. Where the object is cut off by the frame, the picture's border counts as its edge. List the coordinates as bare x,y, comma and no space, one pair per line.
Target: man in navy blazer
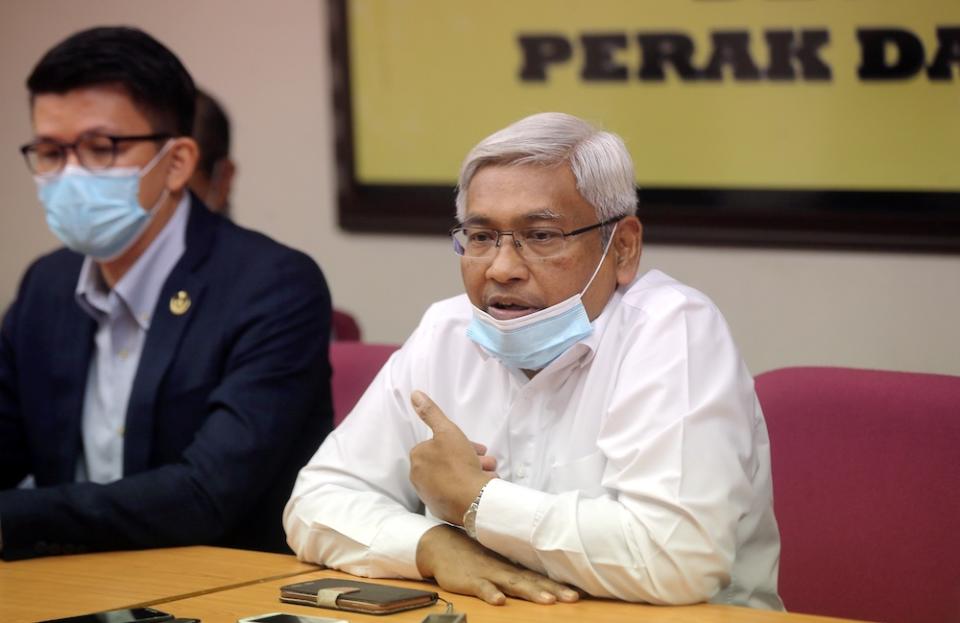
165,376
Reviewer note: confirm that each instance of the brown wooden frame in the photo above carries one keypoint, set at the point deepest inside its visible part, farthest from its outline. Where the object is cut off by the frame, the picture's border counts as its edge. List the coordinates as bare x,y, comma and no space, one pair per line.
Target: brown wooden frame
882,220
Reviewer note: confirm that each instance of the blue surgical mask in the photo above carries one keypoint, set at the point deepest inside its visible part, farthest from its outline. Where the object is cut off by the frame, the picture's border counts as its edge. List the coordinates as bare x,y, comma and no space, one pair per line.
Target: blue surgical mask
97,213
533,341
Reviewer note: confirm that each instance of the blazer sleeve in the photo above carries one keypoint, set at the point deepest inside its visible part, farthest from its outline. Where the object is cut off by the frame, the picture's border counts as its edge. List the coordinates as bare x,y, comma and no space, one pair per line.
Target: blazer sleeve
273,385
14,461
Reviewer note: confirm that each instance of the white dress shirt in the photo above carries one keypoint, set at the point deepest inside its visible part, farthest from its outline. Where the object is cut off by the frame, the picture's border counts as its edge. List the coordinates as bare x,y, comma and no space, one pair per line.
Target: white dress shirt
635,466
123,316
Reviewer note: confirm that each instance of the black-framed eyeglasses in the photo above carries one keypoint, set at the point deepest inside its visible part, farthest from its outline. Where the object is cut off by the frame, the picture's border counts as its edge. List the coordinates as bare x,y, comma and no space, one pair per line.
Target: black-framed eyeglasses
481,243
95,151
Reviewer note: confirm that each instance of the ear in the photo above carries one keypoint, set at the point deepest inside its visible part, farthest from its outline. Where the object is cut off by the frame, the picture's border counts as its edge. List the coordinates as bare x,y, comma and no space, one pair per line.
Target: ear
627,247
183,161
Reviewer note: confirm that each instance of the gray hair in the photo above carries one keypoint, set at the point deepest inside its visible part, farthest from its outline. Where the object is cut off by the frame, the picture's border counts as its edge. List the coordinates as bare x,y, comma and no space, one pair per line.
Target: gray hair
599,160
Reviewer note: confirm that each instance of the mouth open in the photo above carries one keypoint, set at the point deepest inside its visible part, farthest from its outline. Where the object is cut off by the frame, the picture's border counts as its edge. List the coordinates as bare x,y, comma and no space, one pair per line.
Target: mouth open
507,311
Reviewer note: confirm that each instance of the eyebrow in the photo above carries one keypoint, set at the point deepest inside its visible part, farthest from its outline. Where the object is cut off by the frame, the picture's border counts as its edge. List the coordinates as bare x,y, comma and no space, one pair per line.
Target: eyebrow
100,129
545,214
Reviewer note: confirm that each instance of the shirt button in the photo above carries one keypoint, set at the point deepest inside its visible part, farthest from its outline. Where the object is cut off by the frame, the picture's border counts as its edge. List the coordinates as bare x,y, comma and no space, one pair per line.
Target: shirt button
123,354
122,431
521,473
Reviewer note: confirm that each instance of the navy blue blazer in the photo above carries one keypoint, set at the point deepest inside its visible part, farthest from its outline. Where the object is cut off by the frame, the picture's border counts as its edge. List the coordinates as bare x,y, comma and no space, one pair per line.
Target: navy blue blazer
230,399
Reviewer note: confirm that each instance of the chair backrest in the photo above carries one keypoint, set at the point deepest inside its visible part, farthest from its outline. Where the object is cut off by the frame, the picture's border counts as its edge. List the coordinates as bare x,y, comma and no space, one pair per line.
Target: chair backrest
345,327
354,364
866,480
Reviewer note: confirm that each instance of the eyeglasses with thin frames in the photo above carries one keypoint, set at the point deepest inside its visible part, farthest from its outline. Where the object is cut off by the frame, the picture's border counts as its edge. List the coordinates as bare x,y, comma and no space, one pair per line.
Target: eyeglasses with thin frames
481,243
94,151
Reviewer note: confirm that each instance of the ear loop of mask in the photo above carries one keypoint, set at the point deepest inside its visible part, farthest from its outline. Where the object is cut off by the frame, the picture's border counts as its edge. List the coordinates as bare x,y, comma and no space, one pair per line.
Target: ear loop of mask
606,250
147,168
152,211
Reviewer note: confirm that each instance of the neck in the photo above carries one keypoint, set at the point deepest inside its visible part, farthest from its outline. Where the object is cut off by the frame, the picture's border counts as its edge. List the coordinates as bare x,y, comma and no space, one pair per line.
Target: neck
114,270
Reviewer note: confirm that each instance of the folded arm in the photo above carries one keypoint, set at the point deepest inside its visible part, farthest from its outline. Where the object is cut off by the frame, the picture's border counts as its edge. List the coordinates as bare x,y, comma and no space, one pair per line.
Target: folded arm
678,451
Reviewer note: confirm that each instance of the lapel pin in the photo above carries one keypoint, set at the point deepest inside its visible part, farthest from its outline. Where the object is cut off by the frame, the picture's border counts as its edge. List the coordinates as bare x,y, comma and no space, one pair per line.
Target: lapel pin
179,303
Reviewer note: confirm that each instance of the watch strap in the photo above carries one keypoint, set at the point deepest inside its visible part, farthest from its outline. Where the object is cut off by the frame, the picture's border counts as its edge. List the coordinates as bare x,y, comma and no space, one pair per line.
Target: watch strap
470,516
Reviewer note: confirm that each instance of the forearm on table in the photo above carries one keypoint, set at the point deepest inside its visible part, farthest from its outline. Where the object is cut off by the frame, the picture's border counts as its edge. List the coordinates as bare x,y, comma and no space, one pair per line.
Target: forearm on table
161,508
603,547
361,532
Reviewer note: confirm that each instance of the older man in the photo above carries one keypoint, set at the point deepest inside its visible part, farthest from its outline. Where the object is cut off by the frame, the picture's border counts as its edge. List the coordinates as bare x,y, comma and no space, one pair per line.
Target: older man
585,426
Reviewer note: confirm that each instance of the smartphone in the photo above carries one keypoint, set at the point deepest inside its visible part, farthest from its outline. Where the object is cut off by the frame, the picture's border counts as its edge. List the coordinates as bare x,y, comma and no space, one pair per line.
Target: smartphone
128,615
283,617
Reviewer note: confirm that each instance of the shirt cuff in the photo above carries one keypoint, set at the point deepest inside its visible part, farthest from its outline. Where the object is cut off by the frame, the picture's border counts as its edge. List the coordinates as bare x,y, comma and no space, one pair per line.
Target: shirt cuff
397,541
507,517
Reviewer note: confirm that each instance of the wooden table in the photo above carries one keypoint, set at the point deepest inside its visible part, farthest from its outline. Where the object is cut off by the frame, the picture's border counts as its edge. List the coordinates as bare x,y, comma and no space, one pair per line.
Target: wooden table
59,586
219,585
227,606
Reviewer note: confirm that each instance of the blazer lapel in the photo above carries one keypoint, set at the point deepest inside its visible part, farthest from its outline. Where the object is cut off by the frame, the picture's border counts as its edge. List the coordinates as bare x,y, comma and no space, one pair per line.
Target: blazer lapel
182,293
75,337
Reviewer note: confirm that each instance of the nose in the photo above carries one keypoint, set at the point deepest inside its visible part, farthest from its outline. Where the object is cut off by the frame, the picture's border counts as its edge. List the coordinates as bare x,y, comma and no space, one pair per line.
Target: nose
507,263
71,155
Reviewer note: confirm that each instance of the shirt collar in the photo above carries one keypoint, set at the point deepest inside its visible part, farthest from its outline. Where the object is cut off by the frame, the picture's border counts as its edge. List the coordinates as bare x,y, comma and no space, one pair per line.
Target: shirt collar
92,294
138,289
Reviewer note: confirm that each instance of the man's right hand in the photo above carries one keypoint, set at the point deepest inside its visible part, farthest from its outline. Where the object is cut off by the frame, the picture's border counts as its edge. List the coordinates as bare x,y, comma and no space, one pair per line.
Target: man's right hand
461,565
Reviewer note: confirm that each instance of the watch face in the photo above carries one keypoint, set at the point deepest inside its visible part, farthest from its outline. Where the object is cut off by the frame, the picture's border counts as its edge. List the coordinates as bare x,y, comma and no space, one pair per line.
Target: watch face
470,520
470,517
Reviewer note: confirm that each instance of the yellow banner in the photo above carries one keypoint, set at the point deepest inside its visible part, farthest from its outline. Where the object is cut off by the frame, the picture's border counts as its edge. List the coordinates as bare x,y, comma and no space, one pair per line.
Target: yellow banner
814,94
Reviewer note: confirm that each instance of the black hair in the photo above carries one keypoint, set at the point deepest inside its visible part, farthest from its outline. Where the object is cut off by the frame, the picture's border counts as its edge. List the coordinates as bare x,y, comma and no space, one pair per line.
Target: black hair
152,75
211,130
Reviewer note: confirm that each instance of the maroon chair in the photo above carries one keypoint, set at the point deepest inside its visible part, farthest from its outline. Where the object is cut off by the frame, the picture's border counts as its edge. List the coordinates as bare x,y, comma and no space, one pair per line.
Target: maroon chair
354,364
866,481
345,327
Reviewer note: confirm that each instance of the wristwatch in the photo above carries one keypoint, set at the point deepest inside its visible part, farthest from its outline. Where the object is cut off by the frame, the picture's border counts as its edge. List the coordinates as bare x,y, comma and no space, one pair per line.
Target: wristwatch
470,517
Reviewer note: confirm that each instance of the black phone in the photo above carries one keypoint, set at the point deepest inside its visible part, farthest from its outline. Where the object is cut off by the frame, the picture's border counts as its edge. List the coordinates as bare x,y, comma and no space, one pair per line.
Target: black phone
127,615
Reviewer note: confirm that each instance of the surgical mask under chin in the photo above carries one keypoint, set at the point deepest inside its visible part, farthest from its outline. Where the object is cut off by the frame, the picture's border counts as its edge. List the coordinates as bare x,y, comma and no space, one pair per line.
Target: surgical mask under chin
533,341
97,213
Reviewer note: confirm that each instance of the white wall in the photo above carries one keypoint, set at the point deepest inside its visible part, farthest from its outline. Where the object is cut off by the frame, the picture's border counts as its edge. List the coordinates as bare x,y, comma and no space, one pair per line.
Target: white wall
267,61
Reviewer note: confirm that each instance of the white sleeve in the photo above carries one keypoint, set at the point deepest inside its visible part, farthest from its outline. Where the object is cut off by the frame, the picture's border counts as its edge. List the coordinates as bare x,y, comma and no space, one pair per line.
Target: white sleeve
677,445
353,507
